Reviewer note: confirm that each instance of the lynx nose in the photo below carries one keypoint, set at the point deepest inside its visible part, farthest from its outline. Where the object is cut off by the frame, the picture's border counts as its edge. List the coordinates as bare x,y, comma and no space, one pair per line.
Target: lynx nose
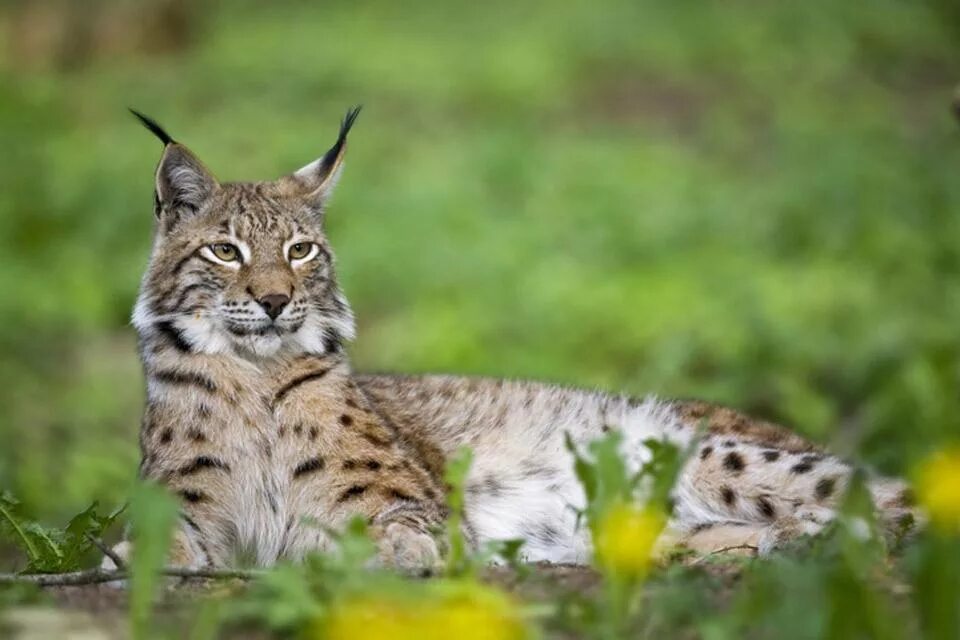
273,304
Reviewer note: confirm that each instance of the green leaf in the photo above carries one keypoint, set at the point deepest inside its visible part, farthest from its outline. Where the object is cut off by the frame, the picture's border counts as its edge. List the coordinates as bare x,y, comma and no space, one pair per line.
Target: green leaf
8,511
664,466
153,512
79,534
51,550
458,561
46,542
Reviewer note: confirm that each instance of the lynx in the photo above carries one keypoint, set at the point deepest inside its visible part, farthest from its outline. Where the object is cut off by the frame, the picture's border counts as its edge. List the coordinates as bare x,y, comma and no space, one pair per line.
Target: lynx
256,421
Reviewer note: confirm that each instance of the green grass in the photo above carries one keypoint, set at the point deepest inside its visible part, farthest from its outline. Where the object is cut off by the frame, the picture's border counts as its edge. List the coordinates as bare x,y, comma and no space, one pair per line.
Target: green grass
750,202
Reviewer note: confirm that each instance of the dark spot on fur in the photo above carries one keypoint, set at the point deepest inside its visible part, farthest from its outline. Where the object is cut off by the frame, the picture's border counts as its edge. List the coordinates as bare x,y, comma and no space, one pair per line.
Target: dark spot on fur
196,435
766,508
166,435
203,412
397,494
372,465
804,466
705,452
204,462
351,403
733,461
346,420
298,429
605,428
282,431
308,466
313,433
355,491
825,488
771,456
729,497
729,444
193,496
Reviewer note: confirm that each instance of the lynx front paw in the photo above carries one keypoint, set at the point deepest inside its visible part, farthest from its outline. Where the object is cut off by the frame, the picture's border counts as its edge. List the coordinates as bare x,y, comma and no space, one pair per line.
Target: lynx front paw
407,549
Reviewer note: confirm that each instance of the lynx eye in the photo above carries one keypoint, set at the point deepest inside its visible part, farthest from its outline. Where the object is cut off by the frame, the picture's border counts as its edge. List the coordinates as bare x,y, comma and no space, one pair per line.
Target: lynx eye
300,250
225,252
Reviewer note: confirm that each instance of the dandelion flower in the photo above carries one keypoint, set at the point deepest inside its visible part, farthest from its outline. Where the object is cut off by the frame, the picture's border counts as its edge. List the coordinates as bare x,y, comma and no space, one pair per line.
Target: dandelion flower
938,488
463,612
625,537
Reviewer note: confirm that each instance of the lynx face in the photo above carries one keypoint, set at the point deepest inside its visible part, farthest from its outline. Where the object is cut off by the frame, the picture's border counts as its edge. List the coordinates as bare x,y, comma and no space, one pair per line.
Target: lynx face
243,268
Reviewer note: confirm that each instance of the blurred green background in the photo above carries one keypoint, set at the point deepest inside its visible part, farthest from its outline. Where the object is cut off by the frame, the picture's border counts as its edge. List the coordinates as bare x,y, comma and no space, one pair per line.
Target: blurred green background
752,202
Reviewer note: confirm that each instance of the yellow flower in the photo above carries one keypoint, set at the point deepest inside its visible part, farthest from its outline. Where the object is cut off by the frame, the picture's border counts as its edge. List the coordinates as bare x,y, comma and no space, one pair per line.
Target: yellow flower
938,488
459,611
625,537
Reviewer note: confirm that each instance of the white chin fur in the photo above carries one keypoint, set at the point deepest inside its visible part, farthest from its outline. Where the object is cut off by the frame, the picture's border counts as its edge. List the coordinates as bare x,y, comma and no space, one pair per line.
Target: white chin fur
261,346
208,337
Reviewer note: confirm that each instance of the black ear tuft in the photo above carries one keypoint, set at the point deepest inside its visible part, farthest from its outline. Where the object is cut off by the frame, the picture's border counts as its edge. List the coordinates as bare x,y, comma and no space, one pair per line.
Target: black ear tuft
348,121
158,131
331,157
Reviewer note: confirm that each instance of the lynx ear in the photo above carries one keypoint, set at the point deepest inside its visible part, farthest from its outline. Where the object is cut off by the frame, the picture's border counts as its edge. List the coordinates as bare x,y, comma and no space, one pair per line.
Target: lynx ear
315,182
183,184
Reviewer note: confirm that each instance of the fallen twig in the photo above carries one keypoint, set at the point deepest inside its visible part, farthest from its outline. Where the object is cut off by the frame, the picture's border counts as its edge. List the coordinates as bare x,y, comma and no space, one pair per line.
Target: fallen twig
738,547
98,576
107,551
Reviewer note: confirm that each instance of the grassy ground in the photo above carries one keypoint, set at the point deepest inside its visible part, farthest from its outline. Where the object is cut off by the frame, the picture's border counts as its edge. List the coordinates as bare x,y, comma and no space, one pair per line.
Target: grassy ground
749,202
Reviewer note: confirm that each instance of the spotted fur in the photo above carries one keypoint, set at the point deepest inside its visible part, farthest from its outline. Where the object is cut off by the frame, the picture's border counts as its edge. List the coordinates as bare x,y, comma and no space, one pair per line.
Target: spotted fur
255,419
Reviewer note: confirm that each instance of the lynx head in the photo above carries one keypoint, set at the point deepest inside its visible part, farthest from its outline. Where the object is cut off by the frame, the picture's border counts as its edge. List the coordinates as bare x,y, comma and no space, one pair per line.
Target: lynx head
242,268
